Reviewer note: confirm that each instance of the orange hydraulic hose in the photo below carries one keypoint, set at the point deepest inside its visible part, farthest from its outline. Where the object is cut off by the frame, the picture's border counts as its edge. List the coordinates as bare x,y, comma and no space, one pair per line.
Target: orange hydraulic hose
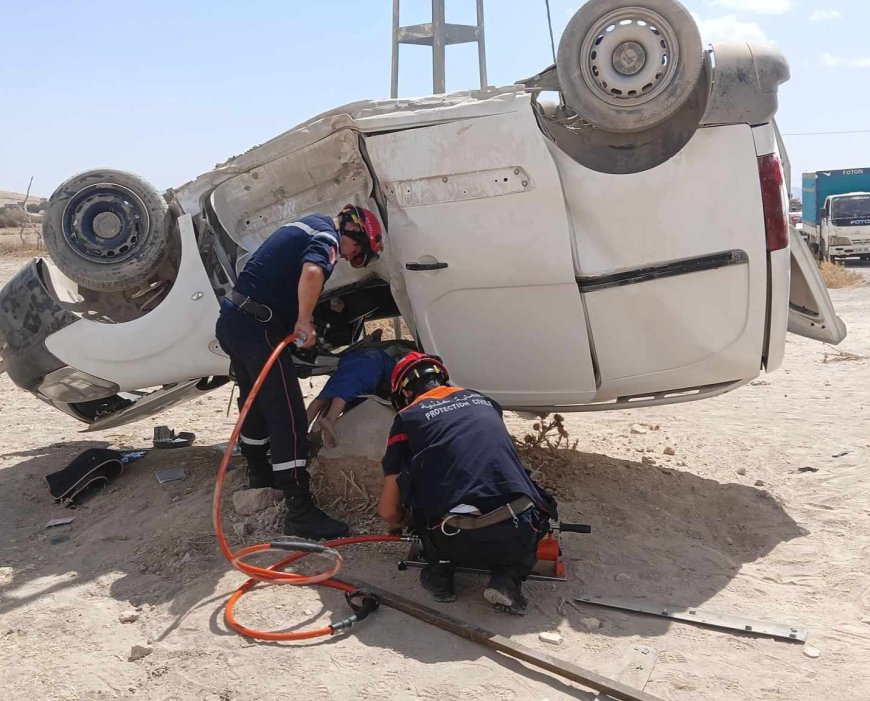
275,573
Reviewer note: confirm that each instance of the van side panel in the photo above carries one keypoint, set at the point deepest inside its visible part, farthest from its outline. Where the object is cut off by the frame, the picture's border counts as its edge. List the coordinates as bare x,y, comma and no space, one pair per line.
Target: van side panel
684,247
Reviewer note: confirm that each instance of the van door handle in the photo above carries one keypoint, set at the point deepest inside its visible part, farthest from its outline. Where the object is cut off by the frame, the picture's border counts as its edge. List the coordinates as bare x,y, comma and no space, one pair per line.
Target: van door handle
425,266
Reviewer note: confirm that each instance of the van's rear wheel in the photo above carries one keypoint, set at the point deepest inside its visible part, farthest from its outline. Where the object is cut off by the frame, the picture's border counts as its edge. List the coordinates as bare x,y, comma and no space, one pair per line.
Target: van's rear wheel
107,230
627,67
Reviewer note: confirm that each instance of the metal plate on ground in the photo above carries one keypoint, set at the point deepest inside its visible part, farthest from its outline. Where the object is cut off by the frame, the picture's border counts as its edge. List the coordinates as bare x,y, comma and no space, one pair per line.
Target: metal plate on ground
634,669
782,631
172,474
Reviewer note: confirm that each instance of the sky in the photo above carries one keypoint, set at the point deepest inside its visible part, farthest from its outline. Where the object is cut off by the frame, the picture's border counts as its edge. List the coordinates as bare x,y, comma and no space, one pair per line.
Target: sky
169,88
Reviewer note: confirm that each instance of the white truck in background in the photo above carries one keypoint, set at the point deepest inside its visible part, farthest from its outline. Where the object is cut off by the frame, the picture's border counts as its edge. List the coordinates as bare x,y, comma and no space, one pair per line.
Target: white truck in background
836,213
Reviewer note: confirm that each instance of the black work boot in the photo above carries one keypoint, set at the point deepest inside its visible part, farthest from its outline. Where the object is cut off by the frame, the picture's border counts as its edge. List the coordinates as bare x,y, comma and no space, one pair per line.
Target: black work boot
303,518
437,579
505,591
259,468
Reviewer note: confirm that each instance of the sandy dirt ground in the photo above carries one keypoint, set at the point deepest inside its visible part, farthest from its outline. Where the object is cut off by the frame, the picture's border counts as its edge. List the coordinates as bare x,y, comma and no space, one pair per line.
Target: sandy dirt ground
707,506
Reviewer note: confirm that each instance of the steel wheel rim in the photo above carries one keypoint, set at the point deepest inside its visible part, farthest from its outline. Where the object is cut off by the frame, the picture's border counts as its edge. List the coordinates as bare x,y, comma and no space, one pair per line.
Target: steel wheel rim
629,57
105,223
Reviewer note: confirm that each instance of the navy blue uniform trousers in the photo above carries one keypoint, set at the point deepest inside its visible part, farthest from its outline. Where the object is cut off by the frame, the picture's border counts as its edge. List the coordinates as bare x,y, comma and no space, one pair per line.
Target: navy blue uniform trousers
277,416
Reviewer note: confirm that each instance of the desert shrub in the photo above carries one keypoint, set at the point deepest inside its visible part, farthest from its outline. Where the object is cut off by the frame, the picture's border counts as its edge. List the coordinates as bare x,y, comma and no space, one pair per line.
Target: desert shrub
837,275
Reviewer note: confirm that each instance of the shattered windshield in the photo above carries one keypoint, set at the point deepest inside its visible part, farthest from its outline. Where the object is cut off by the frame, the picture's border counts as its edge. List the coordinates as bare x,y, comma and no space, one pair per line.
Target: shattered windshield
848,208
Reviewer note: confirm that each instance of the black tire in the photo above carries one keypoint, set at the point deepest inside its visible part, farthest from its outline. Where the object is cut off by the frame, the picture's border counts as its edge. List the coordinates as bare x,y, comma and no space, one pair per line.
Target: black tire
640,94
107,230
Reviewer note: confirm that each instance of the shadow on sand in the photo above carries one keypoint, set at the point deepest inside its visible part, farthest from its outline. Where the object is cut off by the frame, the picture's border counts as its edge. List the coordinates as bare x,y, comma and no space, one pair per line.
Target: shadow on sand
670,536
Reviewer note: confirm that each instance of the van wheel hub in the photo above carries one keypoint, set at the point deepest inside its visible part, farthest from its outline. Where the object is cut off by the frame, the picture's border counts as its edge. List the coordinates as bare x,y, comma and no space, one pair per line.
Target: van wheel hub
629,58
107,225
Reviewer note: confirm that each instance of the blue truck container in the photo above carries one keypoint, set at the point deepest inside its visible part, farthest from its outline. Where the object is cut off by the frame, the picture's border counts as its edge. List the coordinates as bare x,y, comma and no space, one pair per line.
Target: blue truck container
818,186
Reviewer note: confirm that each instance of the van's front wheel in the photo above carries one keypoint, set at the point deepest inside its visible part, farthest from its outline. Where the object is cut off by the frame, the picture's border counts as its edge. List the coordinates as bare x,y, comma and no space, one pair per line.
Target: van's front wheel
107,230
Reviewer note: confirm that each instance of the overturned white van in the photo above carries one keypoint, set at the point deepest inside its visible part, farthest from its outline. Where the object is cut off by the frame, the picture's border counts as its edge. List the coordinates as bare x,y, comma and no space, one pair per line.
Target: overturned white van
625,244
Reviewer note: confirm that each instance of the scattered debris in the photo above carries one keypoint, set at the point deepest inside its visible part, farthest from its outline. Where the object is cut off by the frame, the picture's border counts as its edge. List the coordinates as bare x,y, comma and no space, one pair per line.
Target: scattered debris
741,471
171,474
807,468
129,456
553,638
591,623
639,429
811,652
187,557
60,521
250,501
648,460
129,617
88,471
137,652
669,451
165,437
759,483
840,453
6,575
242,528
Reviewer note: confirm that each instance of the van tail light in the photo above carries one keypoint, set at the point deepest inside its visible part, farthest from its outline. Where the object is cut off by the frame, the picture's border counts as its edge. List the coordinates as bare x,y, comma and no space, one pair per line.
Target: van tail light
773,201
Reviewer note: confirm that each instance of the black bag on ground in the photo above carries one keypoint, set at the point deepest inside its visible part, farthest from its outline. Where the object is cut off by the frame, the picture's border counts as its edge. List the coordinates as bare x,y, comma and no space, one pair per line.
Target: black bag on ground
94,467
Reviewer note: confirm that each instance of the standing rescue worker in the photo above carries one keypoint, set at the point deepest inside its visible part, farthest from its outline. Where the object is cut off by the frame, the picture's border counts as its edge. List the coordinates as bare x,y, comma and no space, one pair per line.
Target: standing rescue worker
452,470
275,294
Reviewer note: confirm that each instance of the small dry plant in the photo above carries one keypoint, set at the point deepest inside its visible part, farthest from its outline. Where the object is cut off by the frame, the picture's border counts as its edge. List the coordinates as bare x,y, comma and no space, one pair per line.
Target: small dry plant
547,452
549,434
840,356
837,276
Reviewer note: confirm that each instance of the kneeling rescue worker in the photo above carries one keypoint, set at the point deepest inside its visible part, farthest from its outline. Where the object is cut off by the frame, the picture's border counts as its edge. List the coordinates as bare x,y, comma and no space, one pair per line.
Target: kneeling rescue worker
275,294
452,470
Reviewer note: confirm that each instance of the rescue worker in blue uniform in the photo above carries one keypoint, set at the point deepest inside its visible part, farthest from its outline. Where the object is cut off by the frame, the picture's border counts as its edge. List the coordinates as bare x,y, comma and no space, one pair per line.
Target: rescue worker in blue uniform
451,469
275,294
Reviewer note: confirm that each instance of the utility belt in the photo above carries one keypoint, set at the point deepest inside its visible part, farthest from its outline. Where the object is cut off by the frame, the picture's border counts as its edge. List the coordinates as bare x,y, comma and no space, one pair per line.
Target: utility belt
509,511
260,312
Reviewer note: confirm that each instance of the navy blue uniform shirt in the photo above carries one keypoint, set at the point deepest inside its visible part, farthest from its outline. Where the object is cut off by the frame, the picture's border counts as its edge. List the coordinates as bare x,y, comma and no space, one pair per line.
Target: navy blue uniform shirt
271,276
451,447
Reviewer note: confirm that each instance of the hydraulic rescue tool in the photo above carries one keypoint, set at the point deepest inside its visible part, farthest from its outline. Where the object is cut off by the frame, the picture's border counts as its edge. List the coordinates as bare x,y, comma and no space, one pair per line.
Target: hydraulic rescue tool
364,599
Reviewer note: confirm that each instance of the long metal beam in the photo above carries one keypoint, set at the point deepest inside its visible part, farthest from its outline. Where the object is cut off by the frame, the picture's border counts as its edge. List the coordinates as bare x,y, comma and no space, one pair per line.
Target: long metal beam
564,669
713,619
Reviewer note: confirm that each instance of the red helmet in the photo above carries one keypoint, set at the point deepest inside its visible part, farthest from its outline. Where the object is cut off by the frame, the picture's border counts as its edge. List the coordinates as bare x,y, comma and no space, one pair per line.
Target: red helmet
410,367
369,237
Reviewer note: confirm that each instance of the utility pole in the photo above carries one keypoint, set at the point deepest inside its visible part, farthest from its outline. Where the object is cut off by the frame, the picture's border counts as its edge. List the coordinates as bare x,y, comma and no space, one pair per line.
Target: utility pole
438,34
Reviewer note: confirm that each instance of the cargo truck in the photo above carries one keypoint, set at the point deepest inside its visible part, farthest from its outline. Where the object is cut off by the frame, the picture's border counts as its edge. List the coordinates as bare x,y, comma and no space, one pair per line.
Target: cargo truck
836,213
